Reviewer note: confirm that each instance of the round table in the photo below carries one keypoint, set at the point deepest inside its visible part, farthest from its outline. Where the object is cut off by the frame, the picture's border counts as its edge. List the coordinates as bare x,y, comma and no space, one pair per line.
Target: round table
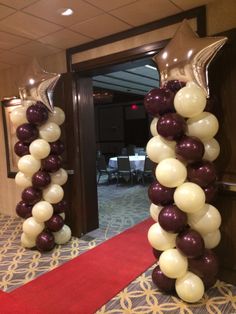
136,162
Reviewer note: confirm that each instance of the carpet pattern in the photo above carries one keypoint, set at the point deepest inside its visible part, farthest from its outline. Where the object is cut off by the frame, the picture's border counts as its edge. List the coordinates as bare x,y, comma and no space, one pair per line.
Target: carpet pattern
120,207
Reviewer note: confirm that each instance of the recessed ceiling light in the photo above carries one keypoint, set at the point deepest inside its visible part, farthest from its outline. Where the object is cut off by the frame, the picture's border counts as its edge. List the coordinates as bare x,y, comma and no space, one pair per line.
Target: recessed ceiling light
65,11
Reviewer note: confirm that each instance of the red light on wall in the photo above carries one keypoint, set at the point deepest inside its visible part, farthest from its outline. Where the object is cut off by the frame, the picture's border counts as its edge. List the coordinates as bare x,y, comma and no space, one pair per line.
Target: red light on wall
134,107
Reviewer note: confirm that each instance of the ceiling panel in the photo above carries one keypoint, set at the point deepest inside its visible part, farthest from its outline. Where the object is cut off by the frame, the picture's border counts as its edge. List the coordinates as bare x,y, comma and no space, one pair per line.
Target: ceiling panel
108,5
8,41
17,4
49,10
127,76
147,71
100,26
64,39
144,11
5,11
13,58
118,88
189,4
27,26
36,49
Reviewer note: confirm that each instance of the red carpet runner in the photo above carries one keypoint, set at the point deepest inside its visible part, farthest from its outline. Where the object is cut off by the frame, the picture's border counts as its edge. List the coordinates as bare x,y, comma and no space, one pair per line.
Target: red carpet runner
84,284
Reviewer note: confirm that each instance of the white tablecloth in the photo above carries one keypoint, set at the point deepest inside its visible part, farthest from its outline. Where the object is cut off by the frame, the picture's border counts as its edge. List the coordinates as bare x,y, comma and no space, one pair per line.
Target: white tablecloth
136,162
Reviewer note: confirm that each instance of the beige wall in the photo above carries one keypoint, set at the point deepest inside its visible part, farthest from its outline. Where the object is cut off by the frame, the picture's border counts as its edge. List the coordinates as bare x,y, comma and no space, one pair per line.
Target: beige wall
220,17
9,192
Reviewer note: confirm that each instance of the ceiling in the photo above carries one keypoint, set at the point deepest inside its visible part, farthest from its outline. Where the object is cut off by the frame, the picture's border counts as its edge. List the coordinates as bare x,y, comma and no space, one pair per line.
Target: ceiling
34,28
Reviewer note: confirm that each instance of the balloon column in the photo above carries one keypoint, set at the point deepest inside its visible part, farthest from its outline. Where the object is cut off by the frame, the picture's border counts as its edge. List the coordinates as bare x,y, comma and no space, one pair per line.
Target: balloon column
40,173
184,148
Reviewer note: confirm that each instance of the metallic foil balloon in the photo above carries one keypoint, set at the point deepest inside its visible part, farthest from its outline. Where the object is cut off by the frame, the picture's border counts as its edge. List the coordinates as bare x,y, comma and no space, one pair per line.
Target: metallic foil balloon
38,84
187,57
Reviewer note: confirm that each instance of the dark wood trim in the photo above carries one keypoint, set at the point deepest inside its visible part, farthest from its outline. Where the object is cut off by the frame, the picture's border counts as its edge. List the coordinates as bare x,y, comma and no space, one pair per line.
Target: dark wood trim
199,13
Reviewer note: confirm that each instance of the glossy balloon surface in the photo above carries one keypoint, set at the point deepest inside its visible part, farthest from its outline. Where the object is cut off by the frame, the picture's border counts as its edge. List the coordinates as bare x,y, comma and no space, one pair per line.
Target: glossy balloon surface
172,263
49,132
27,132
40,179
24,210
171,126
60,207
205,266
63,235
202,173
159,239
160,195
31,195
189,149
37,114
161,281
190,287
55,223
21,148
190,243
57,116
172,219
28,165
159,148
57,147
159,101
39,149
52,163
45,241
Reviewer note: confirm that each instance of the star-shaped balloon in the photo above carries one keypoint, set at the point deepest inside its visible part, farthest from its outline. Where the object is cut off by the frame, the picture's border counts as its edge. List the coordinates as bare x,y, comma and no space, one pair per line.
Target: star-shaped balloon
38,85
187,57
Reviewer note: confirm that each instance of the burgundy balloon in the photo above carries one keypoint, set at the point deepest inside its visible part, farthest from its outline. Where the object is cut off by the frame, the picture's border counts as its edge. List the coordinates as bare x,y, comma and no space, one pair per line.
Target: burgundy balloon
40,179
171,126
159,101
57,148
156,253
37,114
174,85
52,163
190,149
27,132
55,223
24,210
209,281
206,265
202,173
60,207
190,243
210,192
31,195
172,219
45,241
21,148
160,195
162,282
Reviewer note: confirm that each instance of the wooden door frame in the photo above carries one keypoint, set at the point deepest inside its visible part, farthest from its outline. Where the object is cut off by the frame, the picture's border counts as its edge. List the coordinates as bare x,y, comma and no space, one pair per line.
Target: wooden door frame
83,109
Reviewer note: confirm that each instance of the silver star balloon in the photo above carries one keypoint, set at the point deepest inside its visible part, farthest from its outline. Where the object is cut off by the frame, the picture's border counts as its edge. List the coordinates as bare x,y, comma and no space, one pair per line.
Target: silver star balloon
38,85
186,57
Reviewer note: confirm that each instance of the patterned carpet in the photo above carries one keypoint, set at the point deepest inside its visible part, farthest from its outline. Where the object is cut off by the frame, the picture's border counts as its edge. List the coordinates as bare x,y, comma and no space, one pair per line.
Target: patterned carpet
120,207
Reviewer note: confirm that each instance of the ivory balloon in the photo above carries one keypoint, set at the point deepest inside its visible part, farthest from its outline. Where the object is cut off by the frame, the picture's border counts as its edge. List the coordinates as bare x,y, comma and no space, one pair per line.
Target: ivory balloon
205,220
23,180
204,126
190,100
27,242
158,148
173,264
32,228
28,165
49,132
39,149
189,197
153,126
154,211
190,287
212,149
28,103
212,239
159,239
53,193
62,236
42,211
171,172
59,177
57,116
18,116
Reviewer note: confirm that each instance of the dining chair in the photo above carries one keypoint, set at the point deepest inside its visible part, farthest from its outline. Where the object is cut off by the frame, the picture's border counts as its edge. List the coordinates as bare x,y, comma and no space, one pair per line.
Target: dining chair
147,171
103,169
124,169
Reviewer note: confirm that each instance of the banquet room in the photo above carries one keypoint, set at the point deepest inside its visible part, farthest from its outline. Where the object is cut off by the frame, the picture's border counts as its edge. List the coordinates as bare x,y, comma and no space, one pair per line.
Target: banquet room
118,174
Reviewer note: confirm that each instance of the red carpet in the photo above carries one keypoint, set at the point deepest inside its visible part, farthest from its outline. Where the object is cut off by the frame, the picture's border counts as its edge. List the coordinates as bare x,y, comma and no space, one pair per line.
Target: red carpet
84,284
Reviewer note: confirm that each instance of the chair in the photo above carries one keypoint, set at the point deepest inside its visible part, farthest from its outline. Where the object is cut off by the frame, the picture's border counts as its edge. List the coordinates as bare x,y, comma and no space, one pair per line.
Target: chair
103,169
147,171
124,170
131,150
